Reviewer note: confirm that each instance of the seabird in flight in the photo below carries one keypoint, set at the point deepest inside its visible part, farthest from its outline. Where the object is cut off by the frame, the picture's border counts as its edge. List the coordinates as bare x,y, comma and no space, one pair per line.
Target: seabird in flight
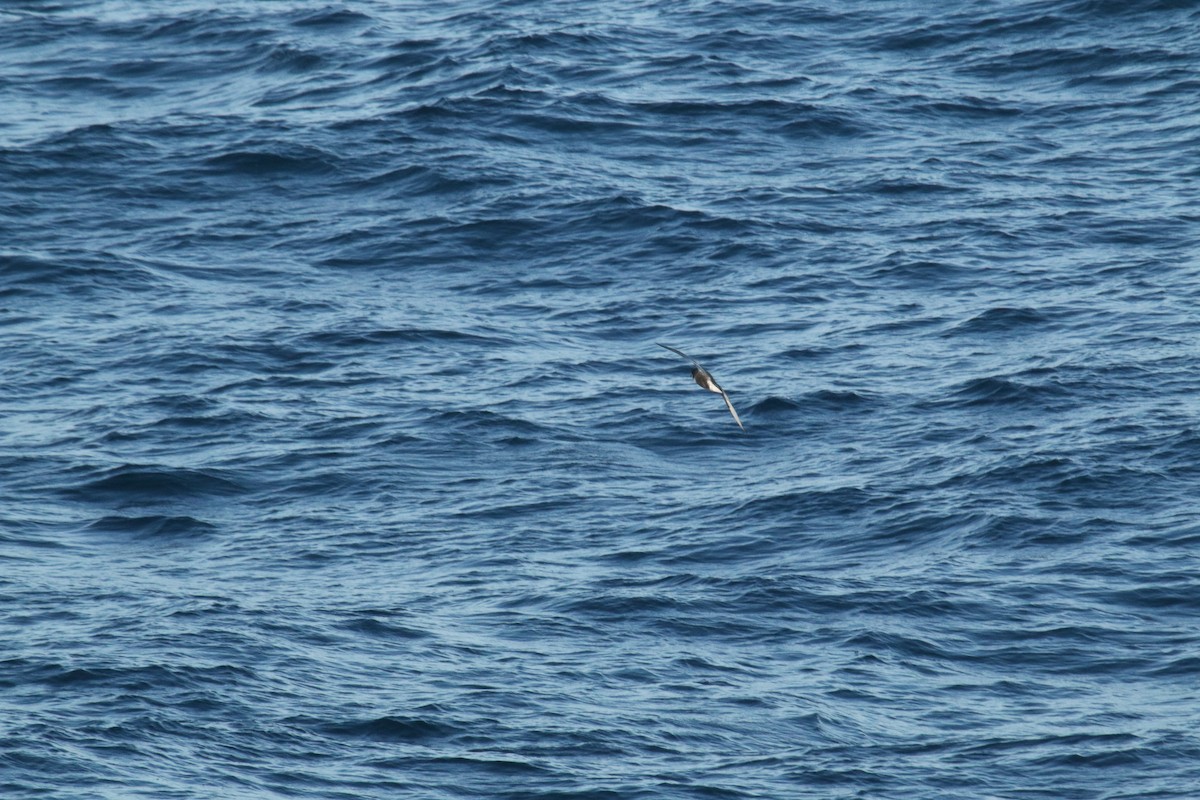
705,379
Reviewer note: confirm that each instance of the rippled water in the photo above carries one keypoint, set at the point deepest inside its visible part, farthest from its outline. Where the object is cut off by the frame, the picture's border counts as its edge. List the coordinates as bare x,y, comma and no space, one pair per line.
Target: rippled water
338,459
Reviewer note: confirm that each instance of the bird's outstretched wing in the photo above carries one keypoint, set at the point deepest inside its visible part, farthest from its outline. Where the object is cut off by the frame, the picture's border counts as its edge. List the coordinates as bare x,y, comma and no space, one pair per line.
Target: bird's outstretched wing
680,352
729,405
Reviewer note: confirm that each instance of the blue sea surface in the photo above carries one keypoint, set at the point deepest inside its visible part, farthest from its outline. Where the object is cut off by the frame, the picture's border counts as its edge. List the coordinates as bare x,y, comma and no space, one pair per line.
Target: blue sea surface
338,458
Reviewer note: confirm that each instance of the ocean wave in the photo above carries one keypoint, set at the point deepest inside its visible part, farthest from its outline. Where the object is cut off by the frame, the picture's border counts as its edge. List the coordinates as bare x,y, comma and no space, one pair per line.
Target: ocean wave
136,483
153,526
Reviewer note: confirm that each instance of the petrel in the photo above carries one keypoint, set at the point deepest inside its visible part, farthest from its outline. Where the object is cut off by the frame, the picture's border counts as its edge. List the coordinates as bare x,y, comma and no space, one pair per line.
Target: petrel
705,379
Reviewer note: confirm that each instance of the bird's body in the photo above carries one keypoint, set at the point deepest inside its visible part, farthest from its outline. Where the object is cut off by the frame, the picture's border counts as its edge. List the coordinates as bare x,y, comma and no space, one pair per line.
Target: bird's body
705,380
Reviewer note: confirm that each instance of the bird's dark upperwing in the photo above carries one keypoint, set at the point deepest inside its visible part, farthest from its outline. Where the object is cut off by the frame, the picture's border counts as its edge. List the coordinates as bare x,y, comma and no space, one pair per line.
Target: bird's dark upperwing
729,405
681,353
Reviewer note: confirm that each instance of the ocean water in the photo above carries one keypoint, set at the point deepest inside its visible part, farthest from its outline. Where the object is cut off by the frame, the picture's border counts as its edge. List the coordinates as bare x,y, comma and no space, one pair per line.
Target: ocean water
338,458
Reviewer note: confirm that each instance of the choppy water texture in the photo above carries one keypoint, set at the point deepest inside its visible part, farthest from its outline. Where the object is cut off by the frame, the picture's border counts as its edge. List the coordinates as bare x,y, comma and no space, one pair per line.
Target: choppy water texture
338,460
